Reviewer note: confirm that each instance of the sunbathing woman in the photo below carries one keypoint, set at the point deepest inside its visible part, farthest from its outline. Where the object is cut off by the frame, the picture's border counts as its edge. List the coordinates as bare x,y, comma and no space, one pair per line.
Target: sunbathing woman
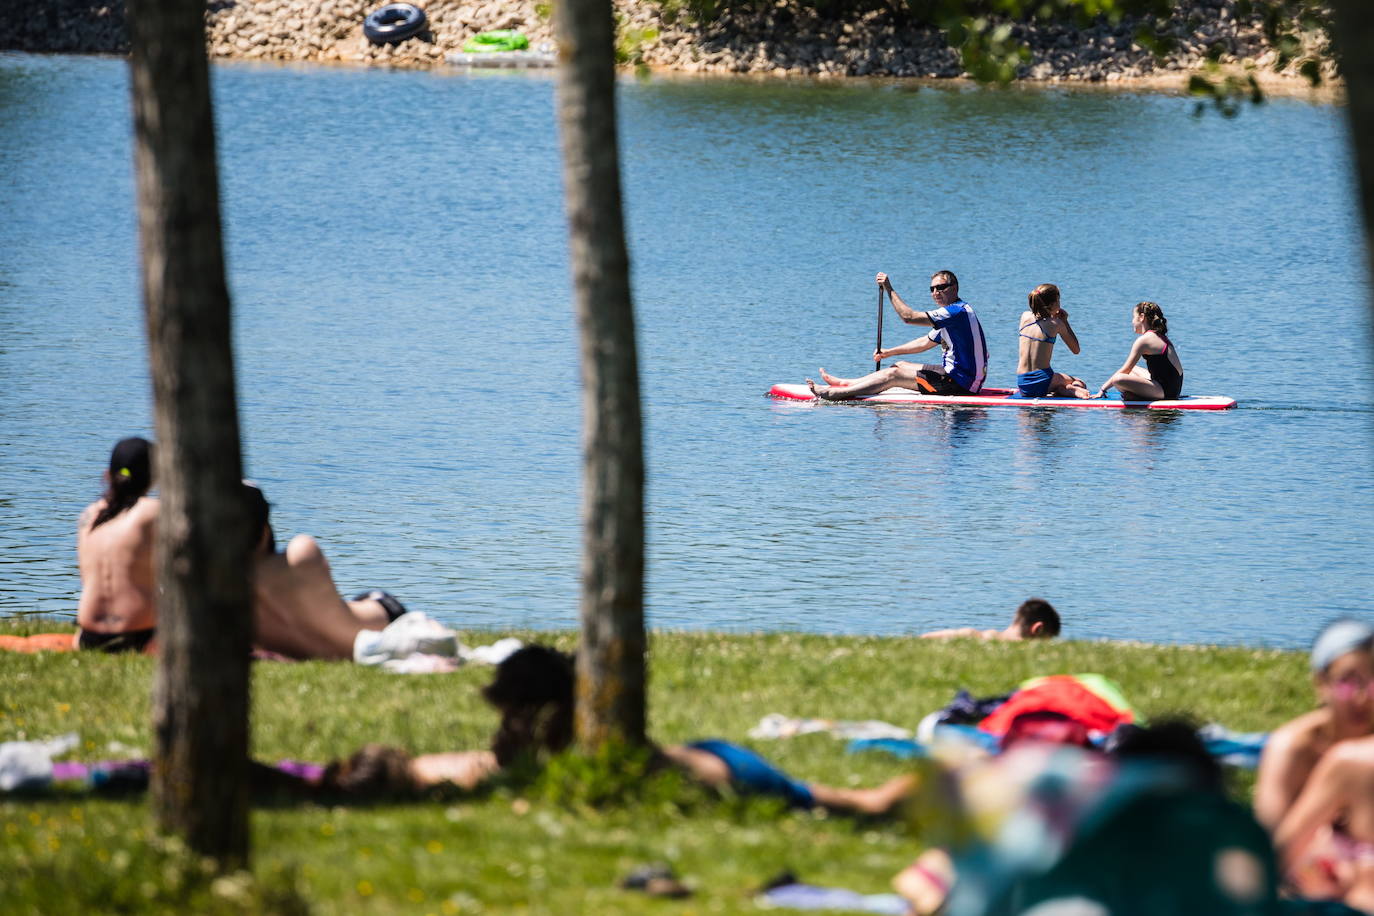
114,550
533,691
1043,321
1161,378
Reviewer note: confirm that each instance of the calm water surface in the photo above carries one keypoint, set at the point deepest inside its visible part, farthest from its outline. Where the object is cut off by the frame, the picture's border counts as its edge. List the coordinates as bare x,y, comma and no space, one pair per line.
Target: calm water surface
408,361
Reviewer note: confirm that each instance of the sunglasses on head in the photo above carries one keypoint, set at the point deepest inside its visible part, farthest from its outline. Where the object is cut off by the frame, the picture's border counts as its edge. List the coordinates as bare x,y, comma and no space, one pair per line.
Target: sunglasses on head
940,287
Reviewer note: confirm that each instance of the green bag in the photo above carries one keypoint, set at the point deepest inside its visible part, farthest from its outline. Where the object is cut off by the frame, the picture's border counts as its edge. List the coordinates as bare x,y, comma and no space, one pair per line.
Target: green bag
499,40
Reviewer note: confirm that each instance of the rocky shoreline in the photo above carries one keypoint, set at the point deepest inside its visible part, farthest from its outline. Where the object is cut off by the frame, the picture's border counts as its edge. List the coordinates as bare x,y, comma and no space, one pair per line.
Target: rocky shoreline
782,40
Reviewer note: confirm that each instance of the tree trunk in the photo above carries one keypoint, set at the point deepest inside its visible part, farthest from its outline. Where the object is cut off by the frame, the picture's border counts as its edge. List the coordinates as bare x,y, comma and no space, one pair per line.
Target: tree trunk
200,696
1354,38
610,662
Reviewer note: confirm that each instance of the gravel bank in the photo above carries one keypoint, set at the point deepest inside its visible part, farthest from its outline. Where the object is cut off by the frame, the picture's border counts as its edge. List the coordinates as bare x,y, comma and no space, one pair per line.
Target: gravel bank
781,40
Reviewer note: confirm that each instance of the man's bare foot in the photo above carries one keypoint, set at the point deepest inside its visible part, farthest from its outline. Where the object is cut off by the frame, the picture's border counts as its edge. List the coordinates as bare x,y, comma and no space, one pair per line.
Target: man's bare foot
833,379
821,392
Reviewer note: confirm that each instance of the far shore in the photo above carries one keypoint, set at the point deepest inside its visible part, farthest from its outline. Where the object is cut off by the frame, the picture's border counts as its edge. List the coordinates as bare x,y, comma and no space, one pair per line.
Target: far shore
1172,82
784,40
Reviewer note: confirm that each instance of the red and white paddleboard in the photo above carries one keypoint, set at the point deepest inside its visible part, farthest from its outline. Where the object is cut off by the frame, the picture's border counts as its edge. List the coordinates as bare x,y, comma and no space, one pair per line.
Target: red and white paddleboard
1001,397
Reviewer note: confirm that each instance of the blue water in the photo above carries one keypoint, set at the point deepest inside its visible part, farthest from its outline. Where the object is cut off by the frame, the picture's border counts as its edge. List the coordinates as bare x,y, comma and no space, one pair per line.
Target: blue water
408,364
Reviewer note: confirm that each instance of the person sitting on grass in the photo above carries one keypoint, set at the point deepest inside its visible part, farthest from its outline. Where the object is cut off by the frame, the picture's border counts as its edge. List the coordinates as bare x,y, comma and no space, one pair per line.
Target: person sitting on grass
1308,763
297,609
114,551
1036,618
1326,839
1342,664
534,689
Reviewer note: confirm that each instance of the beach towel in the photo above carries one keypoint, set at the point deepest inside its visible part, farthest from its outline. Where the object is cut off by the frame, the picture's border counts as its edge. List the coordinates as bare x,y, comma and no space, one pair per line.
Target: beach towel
1089,699
39,642
776,725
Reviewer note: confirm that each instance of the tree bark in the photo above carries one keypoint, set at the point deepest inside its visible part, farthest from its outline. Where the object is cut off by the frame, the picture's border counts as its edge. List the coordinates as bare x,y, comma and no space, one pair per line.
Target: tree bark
200,695
1354,40
610,661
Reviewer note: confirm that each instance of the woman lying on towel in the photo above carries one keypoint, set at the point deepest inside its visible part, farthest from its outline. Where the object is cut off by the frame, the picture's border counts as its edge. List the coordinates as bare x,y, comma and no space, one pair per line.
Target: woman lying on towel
533,691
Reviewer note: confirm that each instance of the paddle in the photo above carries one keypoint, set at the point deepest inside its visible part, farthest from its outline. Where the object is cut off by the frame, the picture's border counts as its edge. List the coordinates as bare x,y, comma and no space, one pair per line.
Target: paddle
877,363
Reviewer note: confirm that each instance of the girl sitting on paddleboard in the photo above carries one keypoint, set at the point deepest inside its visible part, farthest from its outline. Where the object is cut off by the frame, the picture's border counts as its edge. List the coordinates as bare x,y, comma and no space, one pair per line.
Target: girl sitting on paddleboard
1041,324
1161,378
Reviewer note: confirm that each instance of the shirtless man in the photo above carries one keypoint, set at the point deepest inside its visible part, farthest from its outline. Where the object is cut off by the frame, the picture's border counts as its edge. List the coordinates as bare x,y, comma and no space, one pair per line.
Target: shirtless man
297,609
114,550
954,326
1342,665
1317,772
1034,619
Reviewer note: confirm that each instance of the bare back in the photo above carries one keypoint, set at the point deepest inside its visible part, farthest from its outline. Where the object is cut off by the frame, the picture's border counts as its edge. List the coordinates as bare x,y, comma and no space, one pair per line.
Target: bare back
297,610
966,633
1036,338
116,563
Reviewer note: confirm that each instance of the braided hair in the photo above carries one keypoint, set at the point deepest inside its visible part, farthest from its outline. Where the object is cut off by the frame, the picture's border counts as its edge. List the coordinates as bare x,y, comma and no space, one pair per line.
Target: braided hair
1153,316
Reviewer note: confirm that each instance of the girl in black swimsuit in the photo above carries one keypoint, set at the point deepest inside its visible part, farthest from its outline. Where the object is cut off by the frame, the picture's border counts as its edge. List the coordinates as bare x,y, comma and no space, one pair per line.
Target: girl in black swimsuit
1161,378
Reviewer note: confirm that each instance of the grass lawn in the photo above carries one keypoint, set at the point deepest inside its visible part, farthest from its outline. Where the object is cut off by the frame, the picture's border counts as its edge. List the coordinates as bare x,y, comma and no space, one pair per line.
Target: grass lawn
505,852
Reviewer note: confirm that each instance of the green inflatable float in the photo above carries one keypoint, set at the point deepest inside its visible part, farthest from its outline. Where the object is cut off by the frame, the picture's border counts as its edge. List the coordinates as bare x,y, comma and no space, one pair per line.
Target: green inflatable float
499,40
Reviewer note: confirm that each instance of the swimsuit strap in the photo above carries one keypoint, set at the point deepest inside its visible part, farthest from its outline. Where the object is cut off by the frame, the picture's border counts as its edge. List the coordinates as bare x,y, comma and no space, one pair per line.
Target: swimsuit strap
1049,339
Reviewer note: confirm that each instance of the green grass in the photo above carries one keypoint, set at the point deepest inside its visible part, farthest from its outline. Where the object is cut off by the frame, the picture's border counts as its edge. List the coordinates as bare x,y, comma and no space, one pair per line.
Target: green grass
504,852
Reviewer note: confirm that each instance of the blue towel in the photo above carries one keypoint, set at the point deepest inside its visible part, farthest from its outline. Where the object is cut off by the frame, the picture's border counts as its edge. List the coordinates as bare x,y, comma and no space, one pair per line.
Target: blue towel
1236,749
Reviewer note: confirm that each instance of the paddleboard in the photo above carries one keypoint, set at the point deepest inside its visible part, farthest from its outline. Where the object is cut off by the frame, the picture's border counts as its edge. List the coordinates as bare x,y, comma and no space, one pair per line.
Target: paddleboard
1001,397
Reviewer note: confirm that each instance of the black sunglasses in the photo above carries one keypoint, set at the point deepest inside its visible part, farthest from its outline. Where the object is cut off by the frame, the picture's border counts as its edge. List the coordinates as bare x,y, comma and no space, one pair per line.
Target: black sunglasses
940,287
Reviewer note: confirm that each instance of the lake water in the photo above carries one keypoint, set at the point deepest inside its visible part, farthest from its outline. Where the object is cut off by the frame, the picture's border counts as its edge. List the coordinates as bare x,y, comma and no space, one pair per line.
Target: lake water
408,363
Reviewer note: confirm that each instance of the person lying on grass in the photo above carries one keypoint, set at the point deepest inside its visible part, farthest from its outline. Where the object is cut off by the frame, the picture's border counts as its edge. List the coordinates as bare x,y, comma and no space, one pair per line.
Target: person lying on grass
533,691
1036,618
297,609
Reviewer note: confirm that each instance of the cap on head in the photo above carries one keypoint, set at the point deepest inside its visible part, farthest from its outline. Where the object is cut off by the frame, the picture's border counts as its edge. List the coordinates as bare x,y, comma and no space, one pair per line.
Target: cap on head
1338,638
131,461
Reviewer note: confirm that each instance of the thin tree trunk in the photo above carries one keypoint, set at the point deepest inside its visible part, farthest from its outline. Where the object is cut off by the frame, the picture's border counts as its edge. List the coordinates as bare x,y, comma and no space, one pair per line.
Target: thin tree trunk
1354,39
610,663
200,697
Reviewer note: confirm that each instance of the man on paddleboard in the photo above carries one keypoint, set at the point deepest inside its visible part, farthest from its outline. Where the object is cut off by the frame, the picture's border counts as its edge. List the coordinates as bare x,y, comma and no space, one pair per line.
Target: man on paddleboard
954,326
